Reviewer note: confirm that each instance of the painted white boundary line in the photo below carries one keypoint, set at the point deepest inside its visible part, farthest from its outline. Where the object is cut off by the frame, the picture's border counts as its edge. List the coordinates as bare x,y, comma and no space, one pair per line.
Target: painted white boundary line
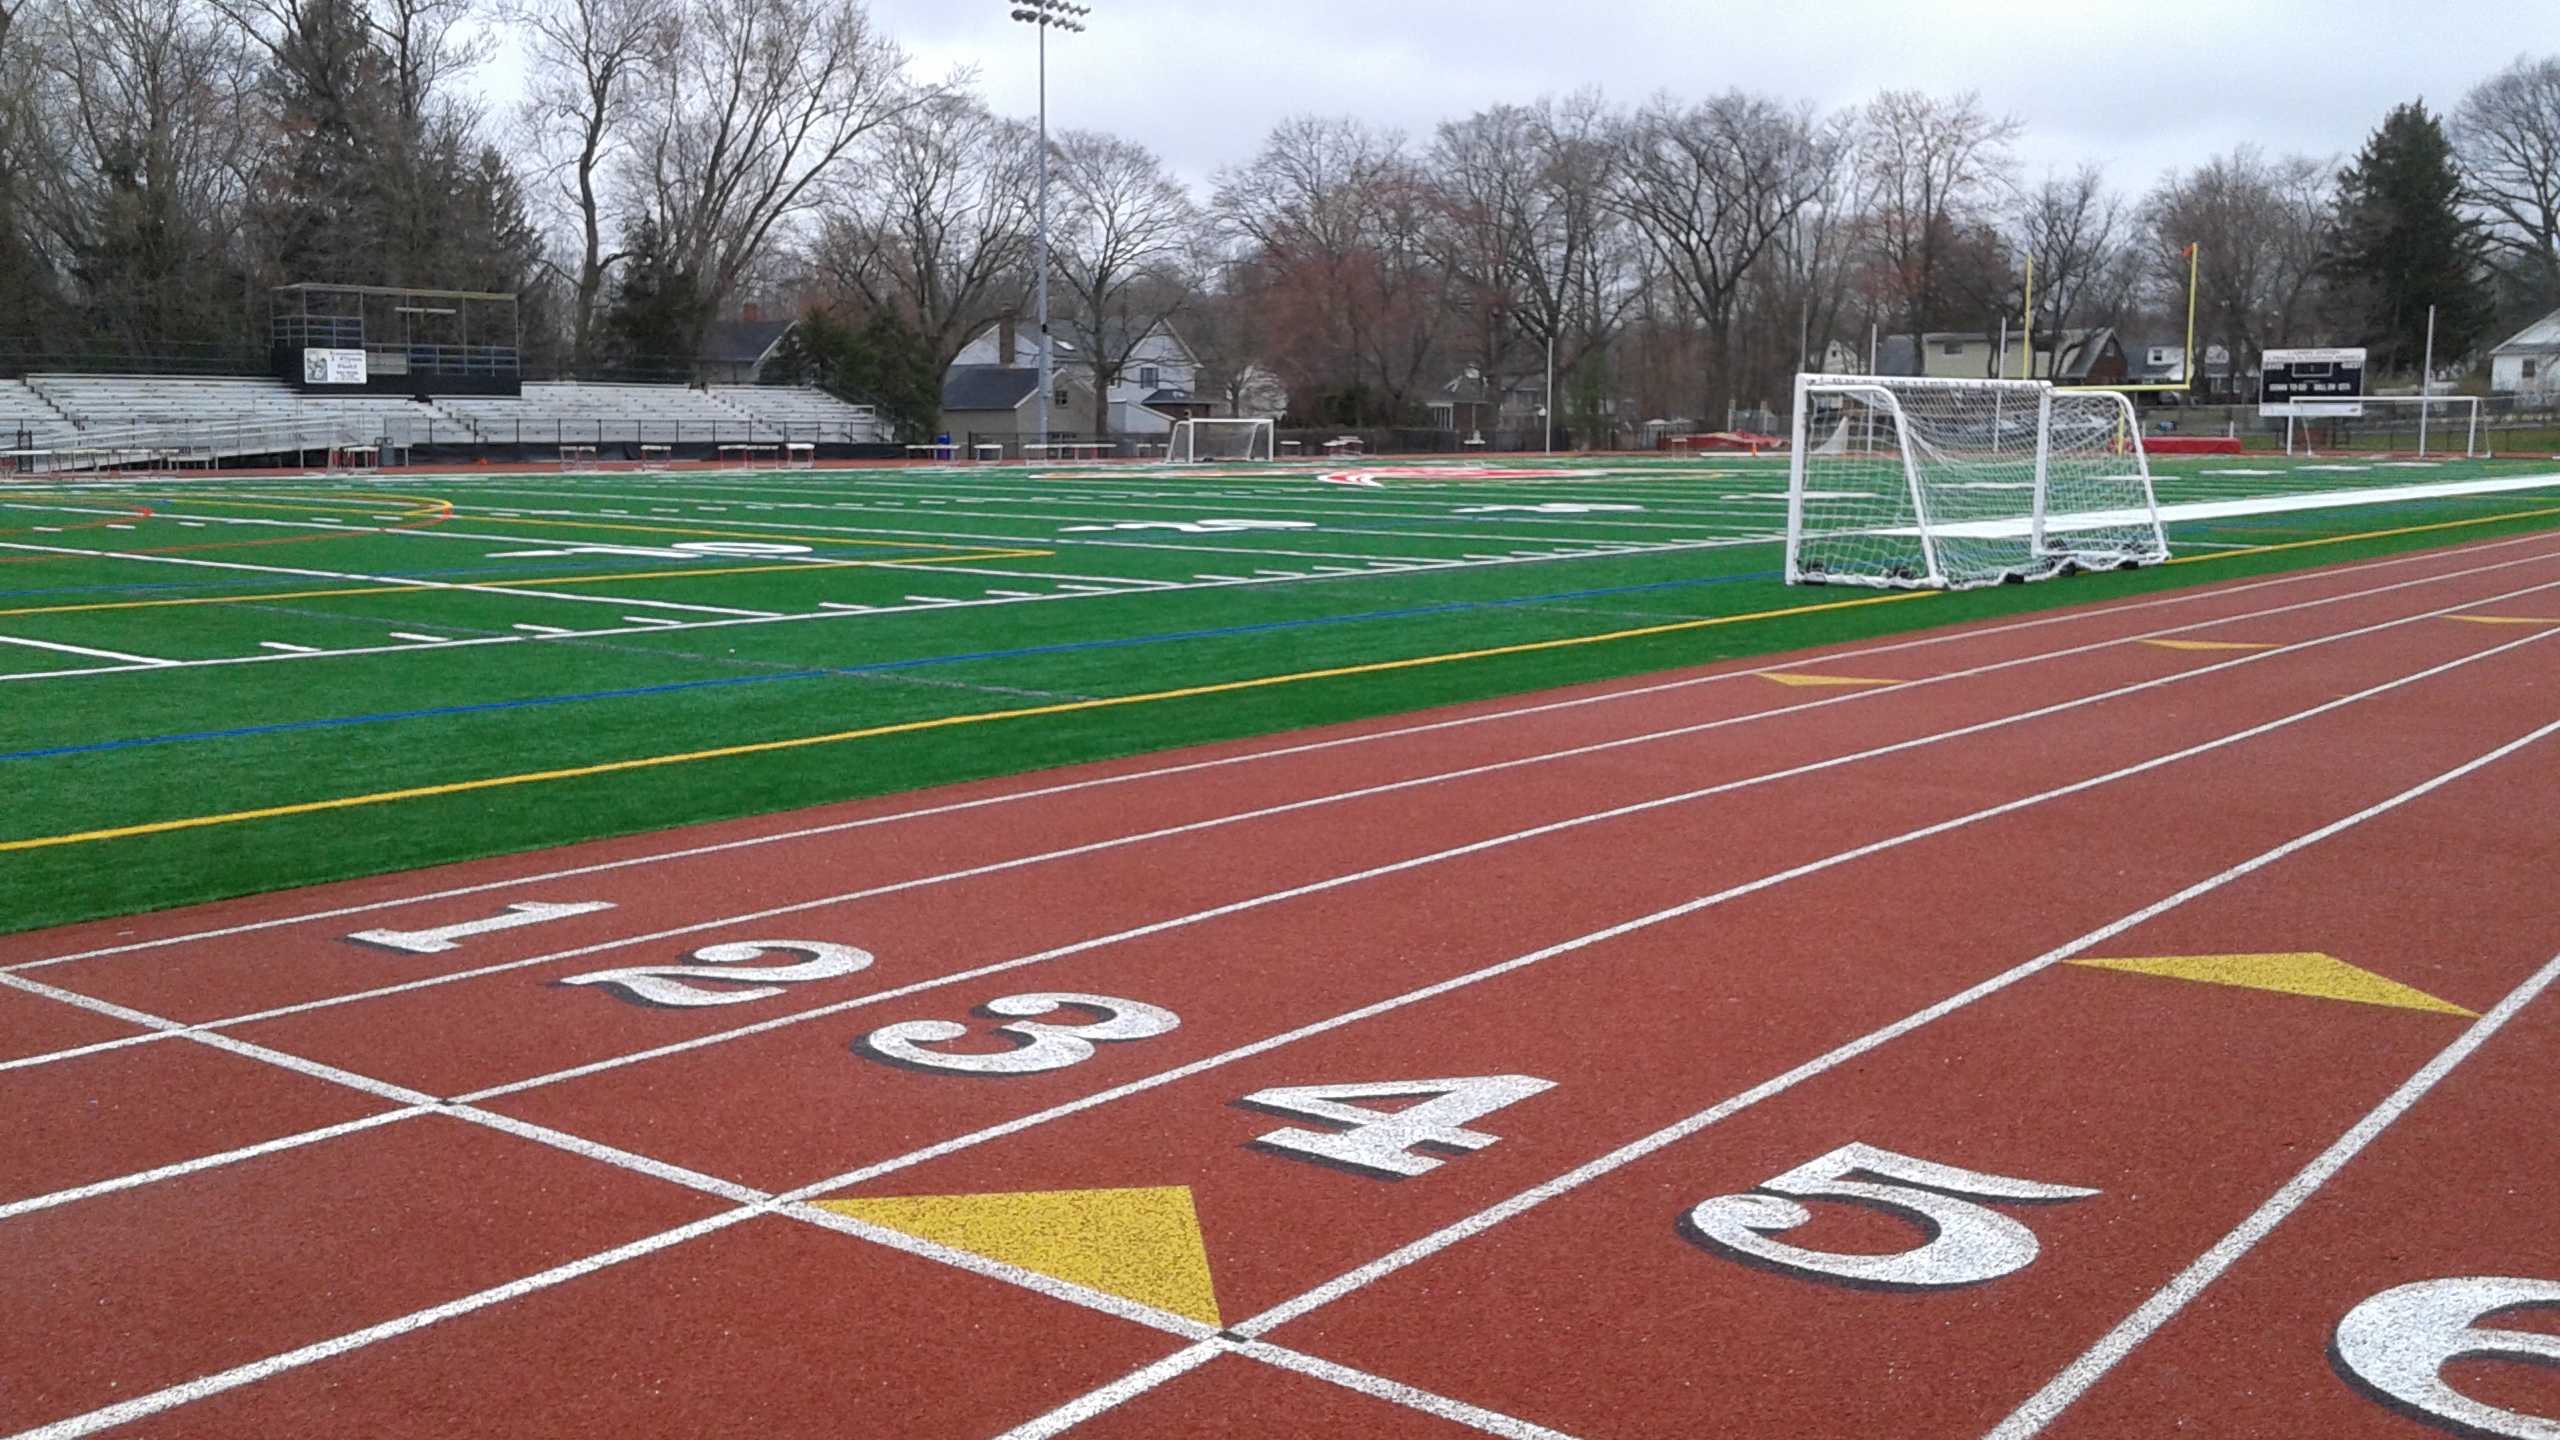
1638,691
145,661
1483,1220
2041,1408
1212,913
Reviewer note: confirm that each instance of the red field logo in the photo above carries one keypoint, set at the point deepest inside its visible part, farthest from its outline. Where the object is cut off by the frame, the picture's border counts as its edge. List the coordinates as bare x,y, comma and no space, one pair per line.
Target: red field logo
1452,472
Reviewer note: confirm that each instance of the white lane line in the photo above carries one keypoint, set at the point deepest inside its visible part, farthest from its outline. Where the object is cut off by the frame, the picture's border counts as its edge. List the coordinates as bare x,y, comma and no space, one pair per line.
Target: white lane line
1232,907
1085,1407
94,654
1632,692
422,639
1472,978
280,647
541,629
464,1108
142,1406
2041,1408
1378,1387
652,620
930,600
1634,1150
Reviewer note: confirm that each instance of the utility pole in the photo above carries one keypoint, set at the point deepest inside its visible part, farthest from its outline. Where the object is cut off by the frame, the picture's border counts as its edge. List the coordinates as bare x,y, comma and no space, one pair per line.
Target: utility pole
2426,382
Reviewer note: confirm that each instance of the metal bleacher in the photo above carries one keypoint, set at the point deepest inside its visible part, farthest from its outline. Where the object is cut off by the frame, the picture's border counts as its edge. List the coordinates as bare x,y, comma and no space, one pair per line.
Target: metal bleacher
92,421
806,412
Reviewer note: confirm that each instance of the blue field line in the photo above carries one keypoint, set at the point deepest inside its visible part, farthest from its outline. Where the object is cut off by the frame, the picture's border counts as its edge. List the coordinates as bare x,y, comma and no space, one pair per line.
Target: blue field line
876,667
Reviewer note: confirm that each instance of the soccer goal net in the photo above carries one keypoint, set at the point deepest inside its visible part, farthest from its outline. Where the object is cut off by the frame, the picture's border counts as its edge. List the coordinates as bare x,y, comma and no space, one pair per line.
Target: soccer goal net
1220,440
2443,425
1897,481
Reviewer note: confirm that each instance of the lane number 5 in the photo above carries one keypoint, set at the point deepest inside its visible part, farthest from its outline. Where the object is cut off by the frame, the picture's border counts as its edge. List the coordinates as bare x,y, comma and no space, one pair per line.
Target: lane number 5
1968,1243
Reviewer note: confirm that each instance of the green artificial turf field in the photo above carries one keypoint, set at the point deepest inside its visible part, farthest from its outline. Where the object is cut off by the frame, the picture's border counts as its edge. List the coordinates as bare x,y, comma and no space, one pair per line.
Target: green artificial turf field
178,656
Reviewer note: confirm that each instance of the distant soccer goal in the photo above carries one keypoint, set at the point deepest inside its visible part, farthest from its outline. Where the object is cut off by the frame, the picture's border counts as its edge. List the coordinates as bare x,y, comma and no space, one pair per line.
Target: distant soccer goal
2441,425
1904,482
1215,439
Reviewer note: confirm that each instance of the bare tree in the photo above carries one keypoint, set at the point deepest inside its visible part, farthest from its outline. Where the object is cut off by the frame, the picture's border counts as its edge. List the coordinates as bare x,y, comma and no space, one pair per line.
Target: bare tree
590,63
2507,134
935,229
1711,187
1333,216
1120,246
2073,229
1935,168
1533,250
2265,226
148,110
761,104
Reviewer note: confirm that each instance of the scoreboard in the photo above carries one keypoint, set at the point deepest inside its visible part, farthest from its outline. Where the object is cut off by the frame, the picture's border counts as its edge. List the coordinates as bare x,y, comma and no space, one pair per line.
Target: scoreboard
2311,382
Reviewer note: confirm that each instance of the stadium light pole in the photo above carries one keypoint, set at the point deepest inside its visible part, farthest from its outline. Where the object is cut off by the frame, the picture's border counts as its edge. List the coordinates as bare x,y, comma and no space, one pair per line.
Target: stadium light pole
1047,15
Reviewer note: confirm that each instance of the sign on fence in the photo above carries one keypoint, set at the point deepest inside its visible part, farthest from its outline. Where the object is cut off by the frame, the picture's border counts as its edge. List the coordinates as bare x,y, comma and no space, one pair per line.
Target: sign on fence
333,367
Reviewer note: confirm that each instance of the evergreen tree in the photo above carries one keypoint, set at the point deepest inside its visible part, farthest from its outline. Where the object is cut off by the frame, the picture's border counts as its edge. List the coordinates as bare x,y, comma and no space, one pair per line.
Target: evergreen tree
879,362
657,306
2404,243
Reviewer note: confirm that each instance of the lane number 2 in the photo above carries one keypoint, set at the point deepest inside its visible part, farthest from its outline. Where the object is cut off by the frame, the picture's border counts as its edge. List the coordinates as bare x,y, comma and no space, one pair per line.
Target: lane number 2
1382,1141
725,965
1038,1044
2398,1343
1968,1243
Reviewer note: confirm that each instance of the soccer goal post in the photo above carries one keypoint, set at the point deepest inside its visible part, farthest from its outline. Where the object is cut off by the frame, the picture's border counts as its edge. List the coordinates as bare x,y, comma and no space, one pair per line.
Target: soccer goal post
1949,484
2441,422
1219,439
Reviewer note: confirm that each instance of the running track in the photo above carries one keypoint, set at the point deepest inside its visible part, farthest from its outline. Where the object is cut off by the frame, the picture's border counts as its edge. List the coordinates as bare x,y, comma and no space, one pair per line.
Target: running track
1665,1009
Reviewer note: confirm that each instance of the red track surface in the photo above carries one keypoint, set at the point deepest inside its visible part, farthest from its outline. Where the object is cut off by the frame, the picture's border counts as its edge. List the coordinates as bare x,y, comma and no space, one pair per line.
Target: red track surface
258,1178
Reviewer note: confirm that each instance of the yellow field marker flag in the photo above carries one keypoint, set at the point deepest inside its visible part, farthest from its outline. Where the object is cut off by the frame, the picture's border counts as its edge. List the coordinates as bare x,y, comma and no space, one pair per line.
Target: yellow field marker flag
2323,977
1143,1245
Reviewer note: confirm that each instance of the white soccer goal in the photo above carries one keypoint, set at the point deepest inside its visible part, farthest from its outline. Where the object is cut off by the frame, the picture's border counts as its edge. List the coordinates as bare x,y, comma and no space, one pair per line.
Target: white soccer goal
2438,419
1220,439
1954,483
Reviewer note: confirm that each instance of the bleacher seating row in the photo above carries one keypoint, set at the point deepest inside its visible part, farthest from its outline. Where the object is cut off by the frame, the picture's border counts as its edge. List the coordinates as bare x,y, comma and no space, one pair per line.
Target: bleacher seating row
52,408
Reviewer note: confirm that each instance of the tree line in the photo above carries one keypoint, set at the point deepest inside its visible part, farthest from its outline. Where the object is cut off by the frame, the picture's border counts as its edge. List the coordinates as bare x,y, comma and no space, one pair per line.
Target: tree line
163,163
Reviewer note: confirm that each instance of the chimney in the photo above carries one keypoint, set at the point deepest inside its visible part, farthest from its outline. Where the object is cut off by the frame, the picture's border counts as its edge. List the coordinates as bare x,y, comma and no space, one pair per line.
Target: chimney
751,313
1004,341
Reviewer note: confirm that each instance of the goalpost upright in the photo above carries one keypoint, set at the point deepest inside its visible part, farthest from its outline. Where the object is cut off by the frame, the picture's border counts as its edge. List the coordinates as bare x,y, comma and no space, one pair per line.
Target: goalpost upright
1216,438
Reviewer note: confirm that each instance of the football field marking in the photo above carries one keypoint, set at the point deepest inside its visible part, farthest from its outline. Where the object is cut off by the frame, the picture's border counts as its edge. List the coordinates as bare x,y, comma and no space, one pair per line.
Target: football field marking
1488,716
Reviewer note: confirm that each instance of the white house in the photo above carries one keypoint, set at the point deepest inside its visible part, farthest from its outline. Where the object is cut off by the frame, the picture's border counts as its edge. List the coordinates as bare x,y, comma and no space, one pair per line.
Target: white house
1156,388
2525,362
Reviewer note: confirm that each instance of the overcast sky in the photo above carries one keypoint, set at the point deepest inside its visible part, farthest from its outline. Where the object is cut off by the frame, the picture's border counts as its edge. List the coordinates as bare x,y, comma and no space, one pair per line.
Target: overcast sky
2141,87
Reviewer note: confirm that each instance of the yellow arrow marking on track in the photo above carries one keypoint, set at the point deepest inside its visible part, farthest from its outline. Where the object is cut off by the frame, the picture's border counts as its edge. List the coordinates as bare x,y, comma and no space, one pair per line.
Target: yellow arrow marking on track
1784,677
2212,644
2322,977
1141,1245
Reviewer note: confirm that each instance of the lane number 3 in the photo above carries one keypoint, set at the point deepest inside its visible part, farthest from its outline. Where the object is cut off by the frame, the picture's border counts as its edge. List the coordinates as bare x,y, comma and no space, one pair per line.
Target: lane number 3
1037,1044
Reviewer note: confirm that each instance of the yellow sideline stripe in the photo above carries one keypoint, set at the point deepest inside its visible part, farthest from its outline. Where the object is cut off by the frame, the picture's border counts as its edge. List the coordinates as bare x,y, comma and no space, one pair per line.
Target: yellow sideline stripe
906,727
479,586
2366,535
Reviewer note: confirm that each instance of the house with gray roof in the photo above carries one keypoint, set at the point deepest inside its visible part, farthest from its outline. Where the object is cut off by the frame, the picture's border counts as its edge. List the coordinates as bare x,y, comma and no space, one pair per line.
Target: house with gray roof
2524,363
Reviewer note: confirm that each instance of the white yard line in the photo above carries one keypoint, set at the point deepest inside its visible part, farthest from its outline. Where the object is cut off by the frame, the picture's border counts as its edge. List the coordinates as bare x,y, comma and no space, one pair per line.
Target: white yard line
145,662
